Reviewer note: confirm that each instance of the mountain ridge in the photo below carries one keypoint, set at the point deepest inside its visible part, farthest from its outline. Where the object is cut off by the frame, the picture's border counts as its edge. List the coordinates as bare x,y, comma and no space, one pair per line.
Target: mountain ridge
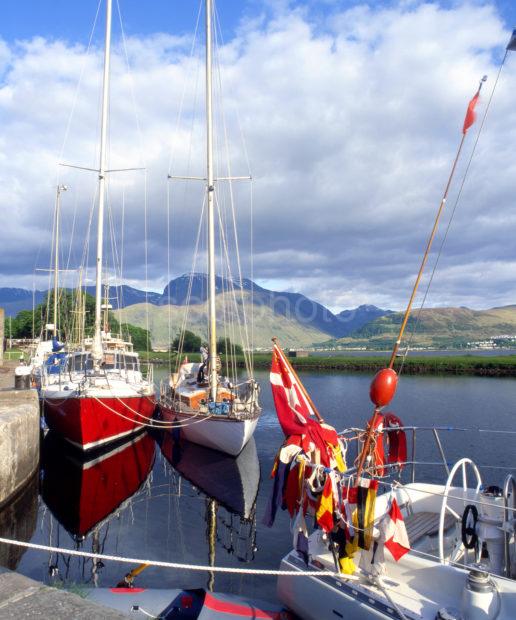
193,288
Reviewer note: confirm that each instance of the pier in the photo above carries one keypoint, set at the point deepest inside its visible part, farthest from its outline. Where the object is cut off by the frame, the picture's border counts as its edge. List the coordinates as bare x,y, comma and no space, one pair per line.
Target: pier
21,597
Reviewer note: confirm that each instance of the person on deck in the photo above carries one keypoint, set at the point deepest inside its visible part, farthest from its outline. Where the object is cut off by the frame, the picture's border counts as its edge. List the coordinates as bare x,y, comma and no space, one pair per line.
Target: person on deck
204,363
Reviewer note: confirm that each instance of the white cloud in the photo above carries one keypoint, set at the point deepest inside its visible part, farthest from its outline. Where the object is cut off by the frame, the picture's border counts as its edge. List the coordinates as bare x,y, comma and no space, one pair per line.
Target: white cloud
351,123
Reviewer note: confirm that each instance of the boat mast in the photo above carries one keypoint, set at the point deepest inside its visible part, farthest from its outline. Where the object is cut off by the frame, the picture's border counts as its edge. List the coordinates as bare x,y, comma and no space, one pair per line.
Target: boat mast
97,340
60,188
211,208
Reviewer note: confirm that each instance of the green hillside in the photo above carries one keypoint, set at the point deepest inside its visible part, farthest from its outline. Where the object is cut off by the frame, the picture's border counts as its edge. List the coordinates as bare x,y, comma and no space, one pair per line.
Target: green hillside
437,327
266,323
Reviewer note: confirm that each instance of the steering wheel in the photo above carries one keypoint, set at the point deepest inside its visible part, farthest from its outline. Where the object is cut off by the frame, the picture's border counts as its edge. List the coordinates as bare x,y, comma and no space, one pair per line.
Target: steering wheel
445,507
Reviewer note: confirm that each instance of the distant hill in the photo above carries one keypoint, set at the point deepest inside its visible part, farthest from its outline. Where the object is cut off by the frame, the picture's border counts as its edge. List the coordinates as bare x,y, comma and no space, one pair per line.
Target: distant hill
165,322
122,296
294,307
13,300
437,327
355,319
296,319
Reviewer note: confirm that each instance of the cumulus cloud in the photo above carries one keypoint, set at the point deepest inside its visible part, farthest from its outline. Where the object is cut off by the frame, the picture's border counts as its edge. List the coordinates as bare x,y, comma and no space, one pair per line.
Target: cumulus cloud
351,121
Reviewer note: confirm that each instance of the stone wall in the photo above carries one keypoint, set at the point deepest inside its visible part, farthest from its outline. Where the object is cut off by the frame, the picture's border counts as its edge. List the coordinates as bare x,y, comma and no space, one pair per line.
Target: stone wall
19,440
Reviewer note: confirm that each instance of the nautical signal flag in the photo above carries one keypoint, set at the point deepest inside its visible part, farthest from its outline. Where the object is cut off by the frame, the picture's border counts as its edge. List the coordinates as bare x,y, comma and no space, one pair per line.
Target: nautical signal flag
324,514
470,113
396,538
292,406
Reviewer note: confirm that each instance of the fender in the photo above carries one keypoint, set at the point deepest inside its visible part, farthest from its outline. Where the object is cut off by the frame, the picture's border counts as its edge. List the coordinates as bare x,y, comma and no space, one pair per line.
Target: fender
396,440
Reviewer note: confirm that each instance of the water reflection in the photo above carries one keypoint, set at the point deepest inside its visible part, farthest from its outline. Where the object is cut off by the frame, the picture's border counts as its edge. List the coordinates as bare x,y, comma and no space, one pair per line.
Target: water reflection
229,487
84,493
18,522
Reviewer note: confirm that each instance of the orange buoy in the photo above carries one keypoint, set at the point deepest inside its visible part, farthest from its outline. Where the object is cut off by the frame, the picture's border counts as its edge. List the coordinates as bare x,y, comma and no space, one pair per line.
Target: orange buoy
383,387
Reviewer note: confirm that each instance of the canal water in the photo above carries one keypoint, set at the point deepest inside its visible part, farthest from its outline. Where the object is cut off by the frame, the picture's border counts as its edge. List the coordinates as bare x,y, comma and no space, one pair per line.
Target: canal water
153,499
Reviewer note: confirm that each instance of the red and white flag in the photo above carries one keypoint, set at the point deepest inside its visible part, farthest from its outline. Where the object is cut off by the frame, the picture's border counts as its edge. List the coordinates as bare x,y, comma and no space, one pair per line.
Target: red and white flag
395,533
291,404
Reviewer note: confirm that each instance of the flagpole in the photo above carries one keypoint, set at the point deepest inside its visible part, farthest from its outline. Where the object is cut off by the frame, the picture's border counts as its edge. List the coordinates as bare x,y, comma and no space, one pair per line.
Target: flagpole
303,389
434,230
467,123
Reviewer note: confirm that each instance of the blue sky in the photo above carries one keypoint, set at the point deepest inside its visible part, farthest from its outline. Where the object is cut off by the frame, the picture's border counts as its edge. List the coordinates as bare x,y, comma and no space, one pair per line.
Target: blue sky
71,19
350,111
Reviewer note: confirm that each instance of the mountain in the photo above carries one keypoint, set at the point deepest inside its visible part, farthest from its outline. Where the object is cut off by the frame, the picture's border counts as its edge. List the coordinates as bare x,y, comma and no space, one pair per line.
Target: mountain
13,300
355,319
165,322
436,327
294,307
122,296
178,291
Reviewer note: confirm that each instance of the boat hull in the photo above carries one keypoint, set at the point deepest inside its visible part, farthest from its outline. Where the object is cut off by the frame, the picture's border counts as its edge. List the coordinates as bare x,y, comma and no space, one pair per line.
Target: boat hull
223,433
186,603
89,422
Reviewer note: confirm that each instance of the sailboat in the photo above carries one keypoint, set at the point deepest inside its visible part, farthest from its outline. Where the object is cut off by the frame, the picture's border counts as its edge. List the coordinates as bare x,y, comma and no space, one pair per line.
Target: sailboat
397,546
47,349
97,393
210,409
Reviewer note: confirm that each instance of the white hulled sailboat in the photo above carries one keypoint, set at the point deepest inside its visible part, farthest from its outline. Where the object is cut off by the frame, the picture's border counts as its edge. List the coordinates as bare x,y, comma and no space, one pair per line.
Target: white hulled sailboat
217,413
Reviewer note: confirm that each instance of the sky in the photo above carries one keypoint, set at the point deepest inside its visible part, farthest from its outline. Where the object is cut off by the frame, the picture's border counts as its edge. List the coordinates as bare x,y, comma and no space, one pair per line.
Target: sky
346,114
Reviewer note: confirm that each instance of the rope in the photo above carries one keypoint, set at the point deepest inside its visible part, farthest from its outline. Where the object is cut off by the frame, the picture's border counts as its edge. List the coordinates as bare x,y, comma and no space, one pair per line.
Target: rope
155,423
174,565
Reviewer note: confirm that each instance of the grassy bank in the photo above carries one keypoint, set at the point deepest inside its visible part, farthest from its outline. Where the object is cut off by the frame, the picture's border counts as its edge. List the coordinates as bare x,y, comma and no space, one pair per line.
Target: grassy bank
495,366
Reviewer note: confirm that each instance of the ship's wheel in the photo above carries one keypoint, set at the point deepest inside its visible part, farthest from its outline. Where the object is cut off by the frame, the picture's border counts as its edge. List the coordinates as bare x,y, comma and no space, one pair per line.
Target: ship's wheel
461,466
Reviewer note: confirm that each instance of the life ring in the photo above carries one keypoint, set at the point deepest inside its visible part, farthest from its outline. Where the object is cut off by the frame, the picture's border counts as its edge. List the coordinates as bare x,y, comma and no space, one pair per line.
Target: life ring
469,532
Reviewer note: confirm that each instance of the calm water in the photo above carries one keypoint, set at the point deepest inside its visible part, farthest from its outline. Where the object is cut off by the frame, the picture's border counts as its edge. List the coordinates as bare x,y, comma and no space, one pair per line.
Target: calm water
183,499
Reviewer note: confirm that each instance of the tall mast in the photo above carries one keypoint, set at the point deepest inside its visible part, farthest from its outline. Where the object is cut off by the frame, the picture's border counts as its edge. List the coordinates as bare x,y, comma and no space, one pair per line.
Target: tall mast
60,188
211,207
97,341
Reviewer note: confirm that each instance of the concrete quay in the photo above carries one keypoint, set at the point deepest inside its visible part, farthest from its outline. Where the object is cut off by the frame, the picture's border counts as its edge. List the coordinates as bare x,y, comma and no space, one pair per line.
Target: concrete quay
19,434
21,597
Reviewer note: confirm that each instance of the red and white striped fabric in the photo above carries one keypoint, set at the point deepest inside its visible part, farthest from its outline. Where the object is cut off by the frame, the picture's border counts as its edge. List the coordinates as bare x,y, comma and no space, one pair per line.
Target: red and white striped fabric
396,538
292,406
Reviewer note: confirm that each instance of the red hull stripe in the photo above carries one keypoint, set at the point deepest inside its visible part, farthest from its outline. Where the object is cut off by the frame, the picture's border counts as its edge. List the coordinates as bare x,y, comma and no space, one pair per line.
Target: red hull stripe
235,609
90,422
127,590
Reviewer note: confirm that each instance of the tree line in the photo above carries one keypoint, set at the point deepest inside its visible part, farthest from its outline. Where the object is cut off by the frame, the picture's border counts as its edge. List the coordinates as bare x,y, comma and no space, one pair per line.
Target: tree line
31,324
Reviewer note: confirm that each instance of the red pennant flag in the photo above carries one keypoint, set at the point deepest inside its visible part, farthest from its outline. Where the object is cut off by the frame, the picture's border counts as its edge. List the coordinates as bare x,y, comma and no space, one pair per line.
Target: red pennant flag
470,113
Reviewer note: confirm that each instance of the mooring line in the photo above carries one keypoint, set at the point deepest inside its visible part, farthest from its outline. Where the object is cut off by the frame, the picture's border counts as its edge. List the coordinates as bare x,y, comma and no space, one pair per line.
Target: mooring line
175,565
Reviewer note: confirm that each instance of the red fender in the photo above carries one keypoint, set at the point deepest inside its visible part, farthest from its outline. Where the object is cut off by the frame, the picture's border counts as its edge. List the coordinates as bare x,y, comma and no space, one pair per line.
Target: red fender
379,451
396,440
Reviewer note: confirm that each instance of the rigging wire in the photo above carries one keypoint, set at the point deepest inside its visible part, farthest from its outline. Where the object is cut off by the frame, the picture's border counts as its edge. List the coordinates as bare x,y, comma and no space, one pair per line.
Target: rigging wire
145,179
455,205
244,340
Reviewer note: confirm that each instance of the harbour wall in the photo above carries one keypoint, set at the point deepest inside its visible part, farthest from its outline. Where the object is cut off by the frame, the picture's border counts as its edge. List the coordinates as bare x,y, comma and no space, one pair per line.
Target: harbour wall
19,435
